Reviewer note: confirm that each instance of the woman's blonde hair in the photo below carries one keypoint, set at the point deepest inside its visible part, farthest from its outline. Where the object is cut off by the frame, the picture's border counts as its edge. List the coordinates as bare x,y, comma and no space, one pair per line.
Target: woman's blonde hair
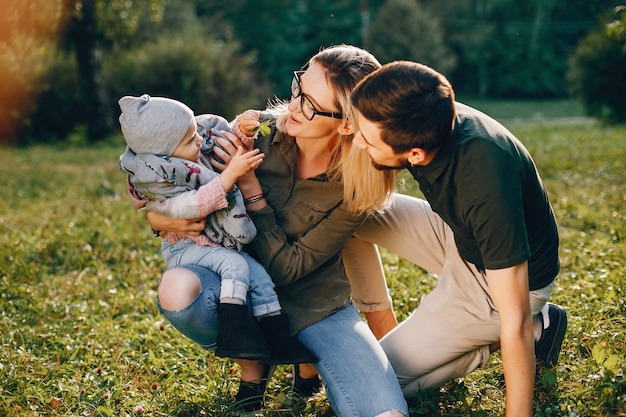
366,189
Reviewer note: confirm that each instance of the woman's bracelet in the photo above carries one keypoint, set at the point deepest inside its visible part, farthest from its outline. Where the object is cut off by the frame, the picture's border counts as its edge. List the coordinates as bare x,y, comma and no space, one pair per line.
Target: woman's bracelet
253,199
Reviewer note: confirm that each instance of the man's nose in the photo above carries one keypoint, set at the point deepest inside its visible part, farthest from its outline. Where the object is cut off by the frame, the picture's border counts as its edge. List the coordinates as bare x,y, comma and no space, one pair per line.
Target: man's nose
358,141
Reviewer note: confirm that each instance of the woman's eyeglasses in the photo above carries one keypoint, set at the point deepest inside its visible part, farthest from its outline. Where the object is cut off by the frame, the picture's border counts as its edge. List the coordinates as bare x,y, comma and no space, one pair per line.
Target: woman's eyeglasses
306,105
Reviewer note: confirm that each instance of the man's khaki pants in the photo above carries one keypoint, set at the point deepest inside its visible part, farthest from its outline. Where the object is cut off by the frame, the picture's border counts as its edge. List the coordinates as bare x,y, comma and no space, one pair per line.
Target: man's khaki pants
449,334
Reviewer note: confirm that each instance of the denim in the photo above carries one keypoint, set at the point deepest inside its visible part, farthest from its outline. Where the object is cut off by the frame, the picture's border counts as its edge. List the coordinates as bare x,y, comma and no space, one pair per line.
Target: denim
239,271
198,321
358,377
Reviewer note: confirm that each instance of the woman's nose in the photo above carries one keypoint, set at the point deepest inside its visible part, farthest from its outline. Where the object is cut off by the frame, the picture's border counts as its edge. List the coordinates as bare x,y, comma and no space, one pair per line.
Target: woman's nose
294,104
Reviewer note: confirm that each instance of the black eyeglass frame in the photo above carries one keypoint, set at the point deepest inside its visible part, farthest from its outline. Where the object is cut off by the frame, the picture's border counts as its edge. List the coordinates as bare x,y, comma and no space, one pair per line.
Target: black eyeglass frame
297,86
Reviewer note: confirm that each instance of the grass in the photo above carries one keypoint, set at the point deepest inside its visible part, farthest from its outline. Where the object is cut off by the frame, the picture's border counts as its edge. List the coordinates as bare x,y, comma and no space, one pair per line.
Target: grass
514,111
80,333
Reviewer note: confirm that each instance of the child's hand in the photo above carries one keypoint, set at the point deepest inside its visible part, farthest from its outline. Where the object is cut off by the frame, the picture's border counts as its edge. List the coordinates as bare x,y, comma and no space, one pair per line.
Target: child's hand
244,162
248,122
240,164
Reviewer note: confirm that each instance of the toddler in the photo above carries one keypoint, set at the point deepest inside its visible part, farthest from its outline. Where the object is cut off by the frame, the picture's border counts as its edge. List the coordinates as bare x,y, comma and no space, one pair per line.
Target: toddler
167,164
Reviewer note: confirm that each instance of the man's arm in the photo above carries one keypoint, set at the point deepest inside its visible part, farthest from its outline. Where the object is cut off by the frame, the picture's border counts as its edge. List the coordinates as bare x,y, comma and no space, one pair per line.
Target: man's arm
509,291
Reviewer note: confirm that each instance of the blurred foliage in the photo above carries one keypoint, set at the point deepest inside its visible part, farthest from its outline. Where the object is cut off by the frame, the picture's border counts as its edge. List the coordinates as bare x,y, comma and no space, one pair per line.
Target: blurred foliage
417,36
119,22
209,75
286,33
28,35
515,49
58,108
60,56
598,69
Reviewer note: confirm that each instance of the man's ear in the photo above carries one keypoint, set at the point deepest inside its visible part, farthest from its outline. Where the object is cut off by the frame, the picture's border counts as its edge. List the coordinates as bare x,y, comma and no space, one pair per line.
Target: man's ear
417,156
346,128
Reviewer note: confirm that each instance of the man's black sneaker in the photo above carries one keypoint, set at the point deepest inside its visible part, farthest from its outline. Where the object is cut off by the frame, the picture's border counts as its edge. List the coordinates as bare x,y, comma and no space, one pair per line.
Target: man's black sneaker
548,347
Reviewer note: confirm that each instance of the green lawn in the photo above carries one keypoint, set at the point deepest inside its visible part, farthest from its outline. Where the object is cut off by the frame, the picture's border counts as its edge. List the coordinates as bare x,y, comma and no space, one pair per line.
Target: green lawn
523,110
80,334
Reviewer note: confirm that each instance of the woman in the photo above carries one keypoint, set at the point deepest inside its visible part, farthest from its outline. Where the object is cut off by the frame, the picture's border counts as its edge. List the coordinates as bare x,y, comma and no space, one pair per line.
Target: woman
296,201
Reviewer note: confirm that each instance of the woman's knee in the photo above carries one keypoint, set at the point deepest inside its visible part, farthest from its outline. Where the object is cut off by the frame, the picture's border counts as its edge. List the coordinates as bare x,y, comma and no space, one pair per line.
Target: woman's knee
178,288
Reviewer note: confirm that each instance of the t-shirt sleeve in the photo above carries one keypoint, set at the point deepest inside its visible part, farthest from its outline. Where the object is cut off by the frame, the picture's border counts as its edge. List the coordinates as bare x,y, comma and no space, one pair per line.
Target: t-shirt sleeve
495,212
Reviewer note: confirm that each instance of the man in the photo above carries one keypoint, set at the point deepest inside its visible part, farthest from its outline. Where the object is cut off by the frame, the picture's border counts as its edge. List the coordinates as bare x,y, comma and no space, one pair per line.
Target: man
488,231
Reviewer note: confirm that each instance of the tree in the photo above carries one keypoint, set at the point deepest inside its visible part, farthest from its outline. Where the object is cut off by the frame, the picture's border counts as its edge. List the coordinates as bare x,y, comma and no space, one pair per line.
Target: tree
514,48
28,35
93,67
93,24
598,70
284,34
405,30
208,74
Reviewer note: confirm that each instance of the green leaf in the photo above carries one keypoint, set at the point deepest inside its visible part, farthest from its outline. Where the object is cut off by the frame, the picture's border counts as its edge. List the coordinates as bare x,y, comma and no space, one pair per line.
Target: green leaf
612,364
599,354
263,128
105,410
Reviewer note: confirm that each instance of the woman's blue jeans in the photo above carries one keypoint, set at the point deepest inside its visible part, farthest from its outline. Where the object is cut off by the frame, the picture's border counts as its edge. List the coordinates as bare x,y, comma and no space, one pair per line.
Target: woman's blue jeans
358,377
241,274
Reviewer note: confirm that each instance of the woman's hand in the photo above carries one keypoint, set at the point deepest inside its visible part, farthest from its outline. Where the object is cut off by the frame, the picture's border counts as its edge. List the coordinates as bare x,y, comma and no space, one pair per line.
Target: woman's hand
226,150
248,121
188,227
239,165
248,182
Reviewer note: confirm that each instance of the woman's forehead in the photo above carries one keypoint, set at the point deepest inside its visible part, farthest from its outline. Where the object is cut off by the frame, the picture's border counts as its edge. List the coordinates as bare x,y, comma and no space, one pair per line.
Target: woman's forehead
315,84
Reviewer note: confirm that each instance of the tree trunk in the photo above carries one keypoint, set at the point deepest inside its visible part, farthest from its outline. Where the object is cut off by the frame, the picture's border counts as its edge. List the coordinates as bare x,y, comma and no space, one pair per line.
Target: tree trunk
544,10
365,24
89,57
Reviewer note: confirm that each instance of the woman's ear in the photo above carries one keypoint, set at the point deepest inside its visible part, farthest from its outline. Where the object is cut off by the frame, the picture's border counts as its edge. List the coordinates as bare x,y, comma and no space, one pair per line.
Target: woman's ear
346,128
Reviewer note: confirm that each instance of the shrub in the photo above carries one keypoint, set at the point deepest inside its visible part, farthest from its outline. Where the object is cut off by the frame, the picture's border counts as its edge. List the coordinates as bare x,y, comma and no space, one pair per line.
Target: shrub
405,30
57,109
598,71
209,75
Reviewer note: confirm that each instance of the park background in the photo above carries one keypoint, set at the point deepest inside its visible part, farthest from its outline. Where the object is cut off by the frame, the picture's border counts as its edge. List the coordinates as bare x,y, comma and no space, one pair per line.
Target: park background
79,330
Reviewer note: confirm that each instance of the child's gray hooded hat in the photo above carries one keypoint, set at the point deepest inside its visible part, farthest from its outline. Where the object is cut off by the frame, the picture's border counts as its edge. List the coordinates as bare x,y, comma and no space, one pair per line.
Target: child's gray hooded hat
154,124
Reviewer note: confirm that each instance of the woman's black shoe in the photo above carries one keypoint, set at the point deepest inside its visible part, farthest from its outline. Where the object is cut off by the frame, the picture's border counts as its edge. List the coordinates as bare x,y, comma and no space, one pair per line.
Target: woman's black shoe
250,395
305,387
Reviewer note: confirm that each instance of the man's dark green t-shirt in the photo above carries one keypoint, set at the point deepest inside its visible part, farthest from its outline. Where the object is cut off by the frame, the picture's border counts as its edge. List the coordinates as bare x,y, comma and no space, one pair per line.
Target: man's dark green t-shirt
484,184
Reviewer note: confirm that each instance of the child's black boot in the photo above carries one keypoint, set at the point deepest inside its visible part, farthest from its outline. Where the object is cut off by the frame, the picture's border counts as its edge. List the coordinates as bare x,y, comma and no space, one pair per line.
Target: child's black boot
283,347
233,338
